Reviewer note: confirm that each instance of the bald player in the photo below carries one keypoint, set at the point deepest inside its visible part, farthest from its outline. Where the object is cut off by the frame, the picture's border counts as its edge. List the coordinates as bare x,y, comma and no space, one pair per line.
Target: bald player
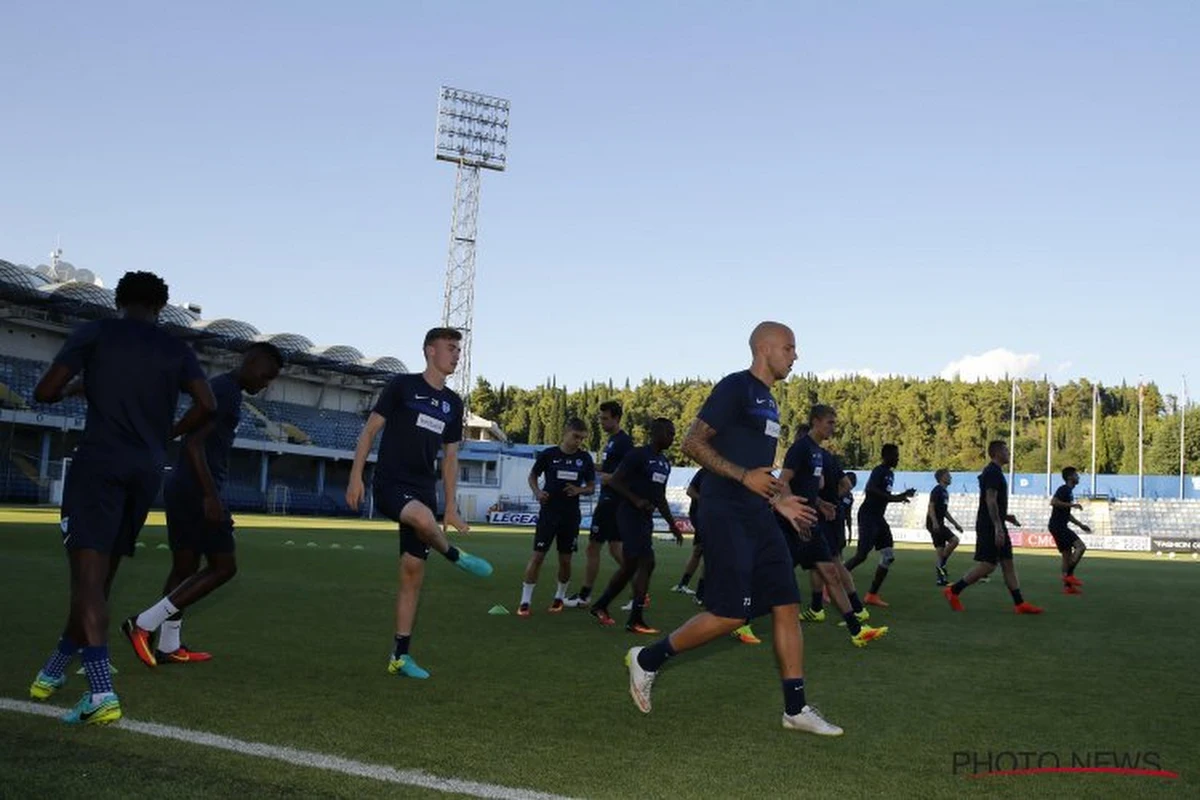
748,567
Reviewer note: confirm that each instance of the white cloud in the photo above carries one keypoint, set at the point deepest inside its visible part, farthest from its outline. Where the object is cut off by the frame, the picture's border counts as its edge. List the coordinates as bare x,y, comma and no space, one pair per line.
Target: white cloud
864,372
993,365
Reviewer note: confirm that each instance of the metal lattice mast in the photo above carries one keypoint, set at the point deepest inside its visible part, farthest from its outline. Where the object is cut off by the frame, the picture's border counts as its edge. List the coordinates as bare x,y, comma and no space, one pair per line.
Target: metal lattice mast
458,308
472,132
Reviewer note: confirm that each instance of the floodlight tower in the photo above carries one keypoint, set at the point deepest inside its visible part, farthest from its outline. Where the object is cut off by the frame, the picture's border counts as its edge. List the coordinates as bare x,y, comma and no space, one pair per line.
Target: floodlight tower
472,132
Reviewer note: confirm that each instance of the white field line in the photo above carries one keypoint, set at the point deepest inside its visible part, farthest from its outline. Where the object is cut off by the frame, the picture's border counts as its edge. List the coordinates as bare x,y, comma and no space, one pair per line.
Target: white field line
302,758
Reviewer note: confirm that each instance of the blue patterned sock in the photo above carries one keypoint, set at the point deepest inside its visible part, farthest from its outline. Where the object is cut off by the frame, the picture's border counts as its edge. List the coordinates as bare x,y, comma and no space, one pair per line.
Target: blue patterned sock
95,664
56,665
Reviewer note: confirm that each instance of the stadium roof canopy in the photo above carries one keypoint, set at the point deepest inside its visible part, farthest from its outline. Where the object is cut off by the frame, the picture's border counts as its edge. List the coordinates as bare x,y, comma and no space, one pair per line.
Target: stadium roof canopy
68,302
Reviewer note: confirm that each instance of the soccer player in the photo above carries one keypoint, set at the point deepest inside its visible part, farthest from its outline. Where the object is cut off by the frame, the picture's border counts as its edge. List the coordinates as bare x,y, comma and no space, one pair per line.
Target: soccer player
803,474
133,371
937,513
1069,544
992,545
604,515
695,561
418,415
847,512
641,483
874,533
197,522
747,564
569,472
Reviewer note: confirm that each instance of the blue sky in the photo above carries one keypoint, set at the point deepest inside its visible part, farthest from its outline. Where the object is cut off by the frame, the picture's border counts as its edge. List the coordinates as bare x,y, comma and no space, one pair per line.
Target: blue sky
908,184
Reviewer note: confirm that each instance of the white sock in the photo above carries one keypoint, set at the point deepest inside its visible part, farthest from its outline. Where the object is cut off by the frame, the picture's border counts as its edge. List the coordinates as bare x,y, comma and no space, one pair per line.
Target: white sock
100,697
561,593
527,592
168,635
155,615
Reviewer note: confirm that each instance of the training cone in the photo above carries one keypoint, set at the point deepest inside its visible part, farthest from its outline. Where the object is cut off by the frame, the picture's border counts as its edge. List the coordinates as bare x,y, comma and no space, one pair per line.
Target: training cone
140,544
161,546
497,610
335,546
288,542
312,544
359,547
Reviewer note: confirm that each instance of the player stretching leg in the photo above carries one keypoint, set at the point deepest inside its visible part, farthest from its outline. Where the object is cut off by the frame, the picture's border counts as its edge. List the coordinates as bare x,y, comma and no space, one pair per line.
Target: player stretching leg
1068,542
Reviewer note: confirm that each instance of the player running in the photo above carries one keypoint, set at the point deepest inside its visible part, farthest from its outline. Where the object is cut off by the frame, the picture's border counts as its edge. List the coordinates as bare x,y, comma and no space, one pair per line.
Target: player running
937,514
133,371
569,472
874,533
197,522
992,543
1068,543
747,564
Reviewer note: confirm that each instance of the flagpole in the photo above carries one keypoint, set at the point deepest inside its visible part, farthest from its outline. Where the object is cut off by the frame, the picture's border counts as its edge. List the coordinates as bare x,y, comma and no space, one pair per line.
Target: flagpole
1095,404
1141,439
1049,440
1012,438
1182,431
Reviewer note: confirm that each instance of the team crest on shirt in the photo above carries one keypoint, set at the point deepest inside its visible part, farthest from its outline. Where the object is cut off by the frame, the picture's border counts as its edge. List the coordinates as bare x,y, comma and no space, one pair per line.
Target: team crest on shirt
64,523
445,406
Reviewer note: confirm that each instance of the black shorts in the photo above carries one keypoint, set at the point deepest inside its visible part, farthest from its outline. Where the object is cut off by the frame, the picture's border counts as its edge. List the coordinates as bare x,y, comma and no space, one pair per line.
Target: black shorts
874,533
835,536
806,553
105,504
560,527
747,567
637,531
941,537
187,529
604,521
986,550
391,502
1064,540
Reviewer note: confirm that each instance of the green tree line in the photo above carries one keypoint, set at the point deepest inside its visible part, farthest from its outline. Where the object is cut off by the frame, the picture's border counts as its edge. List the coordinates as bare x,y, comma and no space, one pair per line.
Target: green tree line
936,422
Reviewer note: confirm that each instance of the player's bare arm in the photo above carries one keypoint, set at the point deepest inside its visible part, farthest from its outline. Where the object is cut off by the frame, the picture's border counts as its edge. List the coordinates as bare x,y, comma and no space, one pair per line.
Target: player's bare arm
450,482
354,488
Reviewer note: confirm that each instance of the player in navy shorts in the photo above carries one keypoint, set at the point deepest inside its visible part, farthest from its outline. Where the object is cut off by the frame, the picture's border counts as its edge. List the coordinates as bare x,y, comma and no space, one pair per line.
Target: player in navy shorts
804,475
133,371
874,533
694,561
937,514
604,513
992,543
568,472
1067,541
419,417
747,564
197,522
641,483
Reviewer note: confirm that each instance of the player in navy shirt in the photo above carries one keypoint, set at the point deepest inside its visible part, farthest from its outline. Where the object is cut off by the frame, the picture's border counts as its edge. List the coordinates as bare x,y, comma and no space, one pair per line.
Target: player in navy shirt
937,513
874,533
1065,539
604,514
197,522
568,472
694,561
641,483
133,371
847,511
992,543
419,416
748,569
804,474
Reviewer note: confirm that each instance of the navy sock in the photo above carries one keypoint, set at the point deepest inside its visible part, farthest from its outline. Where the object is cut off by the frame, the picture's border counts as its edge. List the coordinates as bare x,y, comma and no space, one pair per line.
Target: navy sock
1071,569
817,602
959,586
941,562
56,665
653,657
95,664
793,696
452,554
700,589
880,576
401,645
585,592
855,603
686,579
1017,598
852,623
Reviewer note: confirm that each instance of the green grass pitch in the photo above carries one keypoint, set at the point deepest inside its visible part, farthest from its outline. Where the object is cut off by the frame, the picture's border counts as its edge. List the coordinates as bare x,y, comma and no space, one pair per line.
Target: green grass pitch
301,637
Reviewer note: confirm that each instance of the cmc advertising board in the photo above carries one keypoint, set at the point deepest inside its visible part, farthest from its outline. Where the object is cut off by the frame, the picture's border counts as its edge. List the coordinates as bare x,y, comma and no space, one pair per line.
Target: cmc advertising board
1041,540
